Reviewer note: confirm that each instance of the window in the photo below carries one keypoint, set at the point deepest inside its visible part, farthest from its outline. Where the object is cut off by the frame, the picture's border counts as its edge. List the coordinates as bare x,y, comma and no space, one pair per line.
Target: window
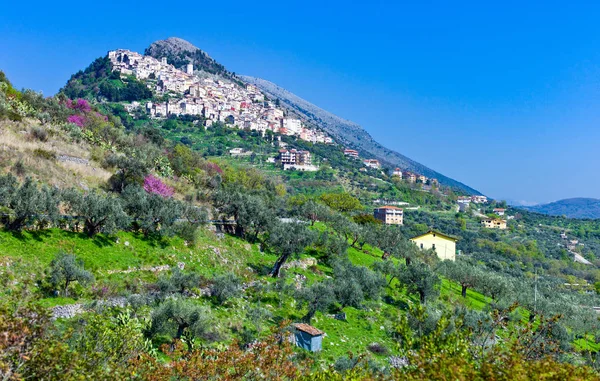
433,246
421,246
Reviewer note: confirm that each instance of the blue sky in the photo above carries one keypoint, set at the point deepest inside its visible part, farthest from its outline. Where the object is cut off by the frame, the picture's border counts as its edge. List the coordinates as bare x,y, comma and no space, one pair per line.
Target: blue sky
504,97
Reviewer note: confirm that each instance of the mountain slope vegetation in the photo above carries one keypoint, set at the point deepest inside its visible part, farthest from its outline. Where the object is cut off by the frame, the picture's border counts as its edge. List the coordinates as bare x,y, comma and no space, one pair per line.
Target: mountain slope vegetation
572,208
115,225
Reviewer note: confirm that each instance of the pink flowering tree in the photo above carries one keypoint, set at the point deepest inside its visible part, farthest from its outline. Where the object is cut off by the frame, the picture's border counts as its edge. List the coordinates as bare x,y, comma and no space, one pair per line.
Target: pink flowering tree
78,120
80,105
153,184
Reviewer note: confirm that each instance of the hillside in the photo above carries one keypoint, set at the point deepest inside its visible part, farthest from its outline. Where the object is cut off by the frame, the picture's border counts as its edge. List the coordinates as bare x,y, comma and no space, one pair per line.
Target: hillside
185,234
350,133
571,208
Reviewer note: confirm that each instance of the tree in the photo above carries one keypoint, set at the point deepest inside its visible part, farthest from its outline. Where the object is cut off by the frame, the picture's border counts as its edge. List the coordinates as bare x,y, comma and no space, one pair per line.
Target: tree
66,269
101,213
418,278
352,284
131,169
313,211
317,297
252,214
289,239
178,281
175,317
341,202
27,202
151,213
466,275
225,287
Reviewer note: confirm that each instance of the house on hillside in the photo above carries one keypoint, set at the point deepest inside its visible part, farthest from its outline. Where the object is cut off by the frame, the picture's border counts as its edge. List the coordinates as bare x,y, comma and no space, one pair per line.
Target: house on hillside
444,245
308,337
389,215
499,211
410,177
372,163
397,172
479,199
494,223
351,153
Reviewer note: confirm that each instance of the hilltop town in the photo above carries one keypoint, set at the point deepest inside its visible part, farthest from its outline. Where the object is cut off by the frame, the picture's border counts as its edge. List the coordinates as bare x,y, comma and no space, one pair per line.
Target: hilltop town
217,100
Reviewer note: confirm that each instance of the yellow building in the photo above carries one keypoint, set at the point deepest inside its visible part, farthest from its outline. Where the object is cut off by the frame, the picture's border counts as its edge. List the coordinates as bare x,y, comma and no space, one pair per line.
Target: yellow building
443,244
494,223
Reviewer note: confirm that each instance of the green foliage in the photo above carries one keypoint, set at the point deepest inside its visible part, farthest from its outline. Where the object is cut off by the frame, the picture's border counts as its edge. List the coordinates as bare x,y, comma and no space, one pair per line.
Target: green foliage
341,202
151,213
289,239
419,279
176,317
225,287
98,80
353,284
179,281
66,269
27,203
317,297
100,213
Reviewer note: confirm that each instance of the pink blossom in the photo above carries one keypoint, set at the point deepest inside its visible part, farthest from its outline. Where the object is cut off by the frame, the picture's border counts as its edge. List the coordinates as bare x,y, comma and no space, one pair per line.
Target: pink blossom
213,167
78,120
152,184
103,117
80,105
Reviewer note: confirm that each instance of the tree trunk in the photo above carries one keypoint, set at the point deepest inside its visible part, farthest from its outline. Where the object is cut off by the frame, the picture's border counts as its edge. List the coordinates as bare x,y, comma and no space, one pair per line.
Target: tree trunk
464,291
277,267
66,292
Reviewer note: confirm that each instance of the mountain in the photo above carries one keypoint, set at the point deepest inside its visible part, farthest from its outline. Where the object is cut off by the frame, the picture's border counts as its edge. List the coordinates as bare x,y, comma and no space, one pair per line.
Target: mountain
350,133
571,207
180,52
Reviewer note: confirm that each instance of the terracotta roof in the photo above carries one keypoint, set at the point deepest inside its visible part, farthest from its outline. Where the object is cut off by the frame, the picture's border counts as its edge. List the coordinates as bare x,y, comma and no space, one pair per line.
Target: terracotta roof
308,329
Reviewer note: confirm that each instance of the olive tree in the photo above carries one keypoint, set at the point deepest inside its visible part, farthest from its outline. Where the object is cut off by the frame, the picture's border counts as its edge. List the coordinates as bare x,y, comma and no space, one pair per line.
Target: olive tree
419,279
66,269
101,213
317,297
175,317
27,202
289,239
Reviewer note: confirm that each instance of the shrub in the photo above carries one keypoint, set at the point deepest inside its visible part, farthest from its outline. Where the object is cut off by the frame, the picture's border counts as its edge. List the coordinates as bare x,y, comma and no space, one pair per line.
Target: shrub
38,133
225,287
154,185
44,154
377,348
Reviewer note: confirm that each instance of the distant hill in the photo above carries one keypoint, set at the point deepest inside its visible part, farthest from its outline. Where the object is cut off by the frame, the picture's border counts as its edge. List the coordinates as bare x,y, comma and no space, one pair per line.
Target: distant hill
350,133
571,207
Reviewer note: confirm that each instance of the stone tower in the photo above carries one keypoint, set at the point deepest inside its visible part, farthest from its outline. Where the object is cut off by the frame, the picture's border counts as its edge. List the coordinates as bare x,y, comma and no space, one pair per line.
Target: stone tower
190,69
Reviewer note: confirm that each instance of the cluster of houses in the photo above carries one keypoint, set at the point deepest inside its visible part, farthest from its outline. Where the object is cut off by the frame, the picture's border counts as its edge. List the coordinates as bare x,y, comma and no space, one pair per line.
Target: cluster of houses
414,177
465,201
215,100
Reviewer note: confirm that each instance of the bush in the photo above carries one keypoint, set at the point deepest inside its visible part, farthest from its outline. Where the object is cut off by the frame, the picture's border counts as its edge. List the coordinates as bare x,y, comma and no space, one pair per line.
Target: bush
377,348
225,287
38,133
44,154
